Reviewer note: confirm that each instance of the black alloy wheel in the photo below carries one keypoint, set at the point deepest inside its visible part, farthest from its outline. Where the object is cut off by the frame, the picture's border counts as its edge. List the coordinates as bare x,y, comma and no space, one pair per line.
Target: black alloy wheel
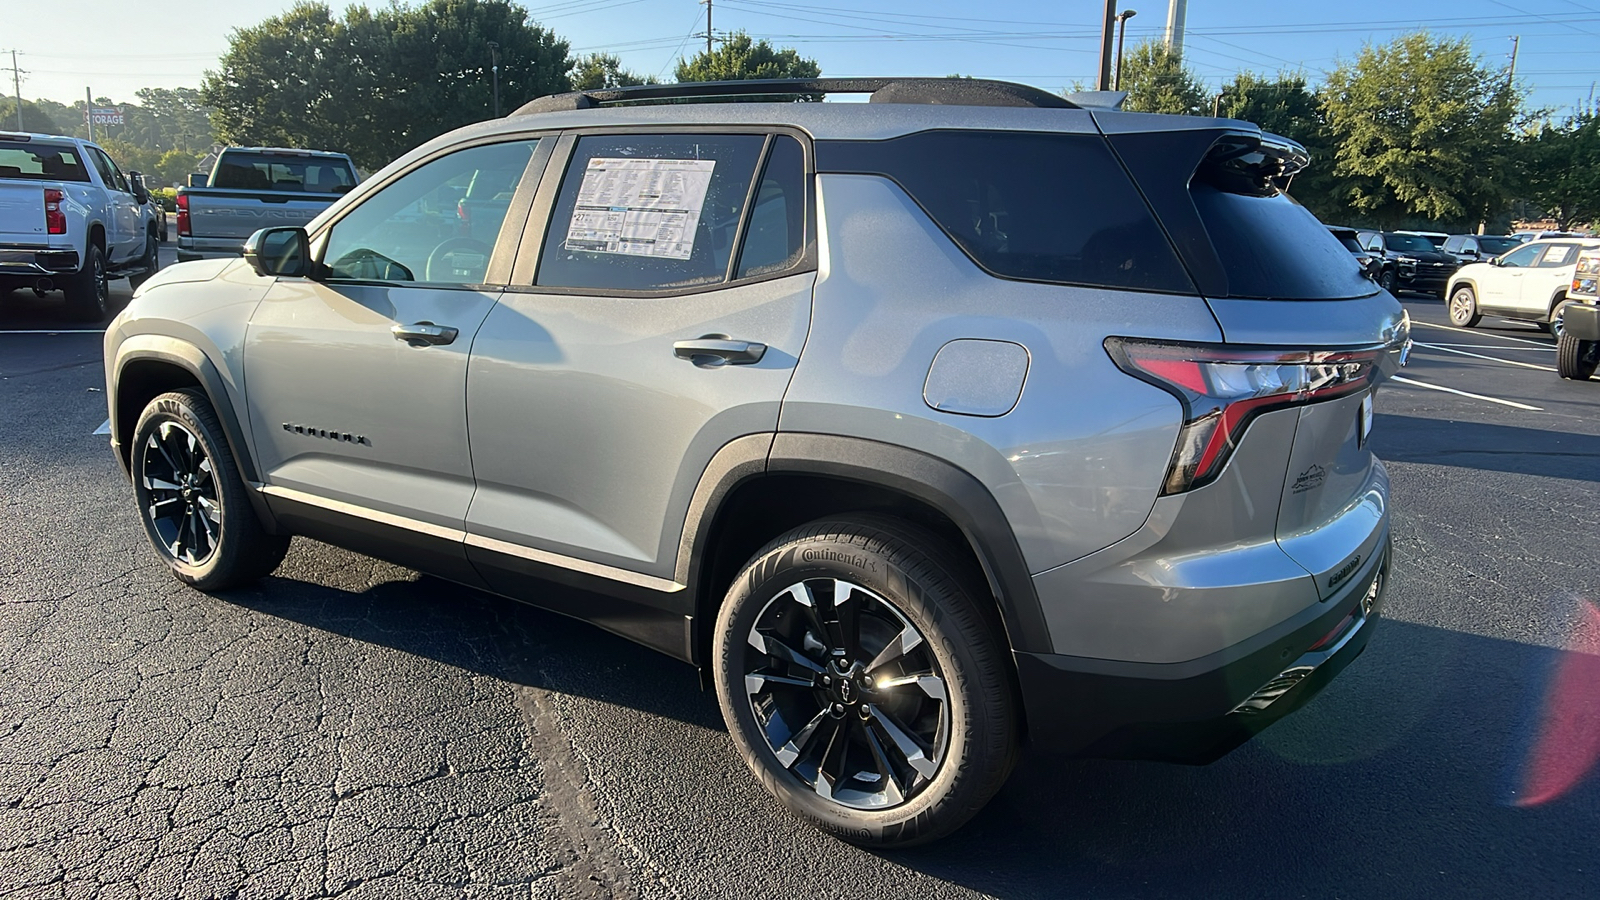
849,697
150,262
191,499
1387,281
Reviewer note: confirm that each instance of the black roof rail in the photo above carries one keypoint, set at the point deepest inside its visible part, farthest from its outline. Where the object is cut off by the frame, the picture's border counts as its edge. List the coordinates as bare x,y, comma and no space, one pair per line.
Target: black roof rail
945,91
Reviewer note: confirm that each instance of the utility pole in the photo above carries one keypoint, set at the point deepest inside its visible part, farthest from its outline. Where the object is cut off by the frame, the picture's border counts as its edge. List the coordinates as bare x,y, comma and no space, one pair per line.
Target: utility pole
1511,75
494,56
708,26
16,82
1122,33
1177,13
1108,30
88,110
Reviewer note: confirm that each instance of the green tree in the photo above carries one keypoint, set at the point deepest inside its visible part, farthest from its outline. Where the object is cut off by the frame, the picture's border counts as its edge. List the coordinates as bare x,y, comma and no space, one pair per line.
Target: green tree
34,119
604,70
1284,105
741,59
1562,170
1158,82
1422,129
377,83
174,167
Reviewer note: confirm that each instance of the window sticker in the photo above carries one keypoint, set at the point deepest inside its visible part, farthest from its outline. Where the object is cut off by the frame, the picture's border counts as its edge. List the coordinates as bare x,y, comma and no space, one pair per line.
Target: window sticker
640,207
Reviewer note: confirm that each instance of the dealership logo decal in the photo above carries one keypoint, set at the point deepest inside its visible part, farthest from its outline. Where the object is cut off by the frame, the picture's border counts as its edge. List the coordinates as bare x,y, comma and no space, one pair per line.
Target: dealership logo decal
1310,478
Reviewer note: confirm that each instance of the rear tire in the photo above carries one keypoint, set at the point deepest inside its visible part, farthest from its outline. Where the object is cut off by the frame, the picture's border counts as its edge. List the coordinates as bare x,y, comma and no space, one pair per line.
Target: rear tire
88,294
1575,359
863,684
191,499
151,261
1464,307
1554,326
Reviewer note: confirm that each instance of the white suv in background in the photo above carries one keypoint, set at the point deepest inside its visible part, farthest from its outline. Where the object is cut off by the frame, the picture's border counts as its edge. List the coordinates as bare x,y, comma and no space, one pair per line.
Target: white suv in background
1529,283
70,220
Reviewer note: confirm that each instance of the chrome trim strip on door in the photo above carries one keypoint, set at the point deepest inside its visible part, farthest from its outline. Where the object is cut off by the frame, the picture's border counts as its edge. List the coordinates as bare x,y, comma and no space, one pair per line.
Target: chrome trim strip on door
613,573
599,570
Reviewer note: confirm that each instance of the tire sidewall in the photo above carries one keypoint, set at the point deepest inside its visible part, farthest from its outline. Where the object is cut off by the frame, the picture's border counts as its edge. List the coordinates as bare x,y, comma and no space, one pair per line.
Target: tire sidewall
752,590
1389,282
178,407
1471,306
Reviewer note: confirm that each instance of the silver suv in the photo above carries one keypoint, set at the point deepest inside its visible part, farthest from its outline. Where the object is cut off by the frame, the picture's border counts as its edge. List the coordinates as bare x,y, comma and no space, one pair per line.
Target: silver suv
930,426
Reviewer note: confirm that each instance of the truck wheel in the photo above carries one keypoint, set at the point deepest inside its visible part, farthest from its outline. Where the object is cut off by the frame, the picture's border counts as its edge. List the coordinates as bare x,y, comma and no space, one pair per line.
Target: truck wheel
862,683
191,499
1387,281
151,261
1576,359
88,294
1464,307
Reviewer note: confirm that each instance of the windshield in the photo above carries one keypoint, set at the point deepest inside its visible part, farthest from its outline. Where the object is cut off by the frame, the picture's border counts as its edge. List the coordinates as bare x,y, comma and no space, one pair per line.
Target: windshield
1348,240
1494,246
1407,242
41,162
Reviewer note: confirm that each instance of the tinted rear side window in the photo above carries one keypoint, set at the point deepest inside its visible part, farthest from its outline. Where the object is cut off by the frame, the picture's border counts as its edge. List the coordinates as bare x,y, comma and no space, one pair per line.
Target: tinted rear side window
41,162
1036,207
1272,248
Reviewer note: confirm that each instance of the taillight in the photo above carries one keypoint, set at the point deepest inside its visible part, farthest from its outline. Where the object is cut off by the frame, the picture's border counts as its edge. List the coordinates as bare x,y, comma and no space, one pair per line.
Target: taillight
1585,279
1223,388
183,215
55,221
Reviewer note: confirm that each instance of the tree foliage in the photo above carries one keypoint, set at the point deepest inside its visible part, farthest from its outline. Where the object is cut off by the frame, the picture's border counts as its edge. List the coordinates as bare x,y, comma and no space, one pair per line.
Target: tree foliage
1562,170
604,70
34,119
741,59
376,83
1422,129
1158,82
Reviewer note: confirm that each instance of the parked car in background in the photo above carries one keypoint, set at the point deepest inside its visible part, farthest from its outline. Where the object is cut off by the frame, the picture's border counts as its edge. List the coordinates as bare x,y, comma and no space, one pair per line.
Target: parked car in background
158,213
750,376
257,187
70,220
1468,248
1578,347
1530,283
1370,263
1526,236
1409,262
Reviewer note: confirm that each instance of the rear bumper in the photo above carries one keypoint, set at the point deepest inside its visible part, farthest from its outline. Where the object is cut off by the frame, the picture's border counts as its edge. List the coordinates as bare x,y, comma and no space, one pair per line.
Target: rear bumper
1582,321
37,261
1198,711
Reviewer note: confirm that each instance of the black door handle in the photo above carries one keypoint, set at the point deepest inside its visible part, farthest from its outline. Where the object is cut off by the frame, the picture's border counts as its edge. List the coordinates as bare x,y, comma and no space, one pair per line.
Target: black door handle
712,350
423,334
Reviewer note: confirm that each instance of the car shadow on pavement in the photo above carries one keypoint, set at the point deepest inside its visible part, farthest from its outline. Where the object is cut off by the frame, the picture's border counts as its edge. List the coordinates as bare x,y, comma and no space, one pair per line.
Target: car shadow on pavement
1482,445
1409,776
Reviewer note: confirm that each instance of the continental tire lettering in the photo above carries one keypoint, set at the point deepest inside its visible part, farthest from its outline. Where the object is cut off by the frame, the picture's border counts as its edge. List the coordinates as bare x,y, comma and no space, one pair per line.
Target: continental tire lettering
851,559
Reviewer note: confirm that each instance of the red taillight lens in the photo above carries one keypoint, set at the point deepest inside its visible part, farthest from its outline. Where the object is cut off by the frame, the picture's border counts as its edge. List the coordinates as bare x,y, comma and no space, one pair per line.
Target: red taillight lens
1223,388
183,215
55,220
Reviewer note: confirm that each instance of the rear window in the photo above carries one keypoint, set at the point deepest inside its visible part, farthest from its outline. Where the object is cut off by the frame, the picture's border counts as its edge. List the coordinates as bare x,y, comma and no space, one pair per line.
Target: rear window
1036,207
41,162
268,172
1272,248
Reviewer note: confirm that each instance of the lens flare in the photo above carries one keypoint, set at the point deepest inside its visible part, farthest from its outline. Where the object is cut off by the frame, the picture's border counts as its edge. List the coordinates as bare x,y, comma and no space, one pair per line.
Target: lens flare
1567,743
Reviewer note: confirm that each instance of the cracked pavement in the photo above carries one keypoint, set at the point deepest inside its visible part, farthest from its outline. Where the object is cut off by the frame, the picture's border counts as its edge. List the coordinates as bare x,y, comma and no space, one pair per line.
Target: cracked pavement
349,728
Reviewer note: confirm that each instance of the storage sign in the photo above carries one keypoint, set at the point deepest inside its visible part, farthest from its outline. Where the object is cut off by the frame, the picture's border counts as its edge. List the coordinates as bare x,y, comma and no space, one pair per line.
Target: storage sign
105,115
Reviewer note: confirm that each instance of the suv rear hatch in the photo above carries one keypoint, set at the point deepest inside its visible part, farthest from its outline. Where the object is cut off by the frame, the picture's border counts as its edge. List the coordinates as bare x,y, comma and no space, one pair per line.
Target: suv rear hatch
1277,280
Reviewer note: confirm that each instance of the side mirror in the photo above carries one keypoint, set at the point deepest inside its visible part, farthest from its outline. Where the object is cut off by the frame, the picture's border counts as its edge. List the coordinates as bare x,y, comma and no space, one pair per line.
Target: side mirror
197,179
140,192
279,252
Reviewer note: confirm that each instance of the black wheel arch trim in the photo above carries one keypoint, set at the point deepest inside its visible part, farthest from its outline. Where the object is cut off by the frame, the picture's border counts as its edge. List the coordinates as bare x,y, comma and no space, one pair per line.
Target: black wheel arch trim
946,488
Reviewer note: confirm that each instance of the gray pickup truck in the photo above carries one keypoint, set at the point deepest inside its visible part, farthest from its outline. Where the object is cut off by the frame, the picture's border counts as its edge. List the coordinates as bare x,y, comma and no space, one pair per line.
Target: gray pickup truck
256,187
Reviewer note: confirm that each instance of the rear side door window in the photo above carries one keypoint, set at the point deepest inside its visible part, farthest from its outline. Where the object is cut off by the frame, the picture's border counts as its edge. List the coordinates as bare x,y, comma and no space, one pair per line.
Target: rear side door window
421,228
657,212
1558,255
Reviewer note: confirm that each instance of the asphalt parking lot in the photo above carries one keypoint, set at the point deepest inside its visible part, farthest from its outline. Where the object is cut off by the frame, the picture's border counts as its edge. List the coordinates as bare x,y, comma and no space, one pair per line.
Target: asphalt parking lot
350,728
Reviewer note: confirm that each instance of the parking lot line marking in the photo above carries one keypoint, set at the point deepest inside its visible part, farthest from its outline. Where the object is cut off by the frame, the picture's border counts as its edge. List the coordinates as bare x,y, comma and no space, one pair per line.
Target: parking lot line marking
1503,337
105,428
56,331
1439,387
1509,362
1540,348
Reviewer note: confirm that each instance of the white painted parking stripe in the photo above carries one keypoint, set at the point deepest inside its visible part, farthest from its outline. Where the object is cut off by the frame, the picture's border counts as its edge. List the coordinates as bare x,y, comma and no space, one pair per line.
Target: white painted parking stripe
1509,362
1539,349
55,331
1439,387
1498,337
105,428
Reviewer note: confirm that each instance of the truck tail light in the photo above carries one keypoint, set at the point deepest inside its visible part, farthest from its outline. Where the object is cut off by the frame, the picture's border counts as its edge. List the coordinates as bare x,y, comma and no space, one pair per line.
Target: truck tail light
1222,388
183,215
55,221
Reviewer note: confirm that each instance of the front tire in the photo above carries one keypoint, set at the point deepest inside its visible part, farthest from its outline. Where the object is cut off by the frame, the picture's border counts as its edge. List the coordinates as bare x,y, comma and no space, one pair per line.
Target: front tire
88,293
1388,282
1576,359
191,499
863,684
1464,307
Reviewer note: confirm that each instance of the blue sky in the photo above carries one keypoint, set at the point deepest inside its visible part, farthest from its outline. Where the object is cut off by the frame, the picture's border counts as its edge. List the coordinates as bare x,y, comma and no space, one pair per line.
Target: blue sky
169,43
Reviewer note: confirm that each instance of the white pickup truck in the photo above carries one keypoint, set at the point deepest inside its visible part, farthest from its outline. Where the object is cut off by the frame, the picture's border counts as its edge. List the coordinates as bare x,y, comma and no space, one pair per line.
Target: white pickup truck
251,188
70,221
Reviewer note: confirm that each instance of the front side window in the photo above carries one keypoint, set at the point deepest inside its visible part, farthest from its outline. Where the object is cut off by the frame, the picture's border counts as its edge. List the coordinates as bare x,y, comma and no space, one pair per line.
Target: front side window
108,171
643,212
1522,256
422,226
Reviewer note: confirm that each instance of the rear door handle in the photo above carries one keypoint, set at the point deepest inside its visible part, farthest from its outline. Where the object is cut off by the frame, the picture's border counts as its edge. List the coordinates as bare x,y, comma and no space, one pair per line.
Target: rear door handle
712,350
423,334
